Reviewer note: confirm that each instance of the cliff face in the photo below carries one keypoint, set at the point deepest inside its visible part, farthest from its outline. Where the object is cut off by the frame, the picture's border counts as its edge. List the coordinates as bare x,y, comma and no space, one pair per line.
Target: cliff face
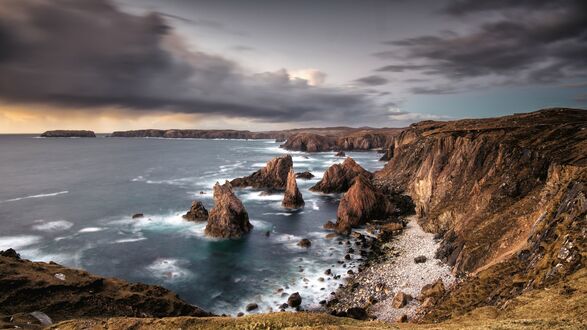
65,293
338,178
272,177
360,139
485,184
292,198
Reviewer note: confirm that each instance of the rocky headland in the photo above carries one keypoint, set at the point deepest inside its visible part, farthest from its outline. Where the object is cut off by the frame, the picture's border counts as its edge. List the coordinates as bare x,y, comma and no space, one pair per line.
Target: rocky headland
272,177
35,294
228,218
69,133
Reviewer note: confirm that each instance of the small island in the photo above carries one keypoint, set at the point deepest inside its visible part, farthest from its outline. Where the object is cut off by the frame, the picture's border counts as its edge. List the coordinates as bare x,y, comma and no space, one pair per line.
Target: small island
69,133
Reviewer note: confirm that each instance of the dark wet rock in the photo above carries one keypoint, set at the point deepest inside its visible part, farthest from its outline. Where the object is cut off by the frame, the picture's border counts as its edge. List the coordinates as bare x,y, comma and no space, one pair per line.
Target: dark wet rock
328,272
362,203
340,154
357,313
251,307
304,175
347,257
294,299
292,198
197,212
69,133
228,218
329,225
338,178
283,306
305,243
331,235
402,319
272,177
138,216
240,314
267,233
420,259
322,302
400,300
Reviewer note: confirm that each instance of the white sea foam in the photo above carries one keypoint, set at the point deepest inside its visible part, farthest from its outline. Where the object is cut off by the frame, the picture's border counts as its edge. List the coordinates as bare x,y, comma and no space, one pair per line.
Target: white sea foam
90,230
261,225
18,242
170,270
260,196
52,226
130,240
36,196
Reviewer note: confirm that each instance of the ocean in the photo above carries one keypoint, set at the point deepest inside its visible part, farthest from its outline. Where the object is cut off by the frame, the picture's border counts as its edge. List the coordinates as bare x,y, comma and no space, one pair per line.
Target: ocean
71,200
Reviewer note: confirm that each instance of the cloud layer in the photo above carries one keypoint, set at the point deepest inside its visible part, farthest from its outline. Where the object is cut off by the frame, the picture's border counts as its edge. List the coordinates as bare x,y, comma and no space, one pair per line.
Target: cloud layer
87,53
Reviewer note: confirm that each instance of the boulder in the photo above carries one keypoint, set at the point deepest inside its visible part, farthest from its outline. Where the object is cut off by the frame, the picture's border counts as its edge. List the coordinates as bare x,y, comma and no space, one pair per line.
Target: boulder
197,212
272,177
329,225
304,175
251,307
340,154
420,259
137,215
434,290
400,300
228,218
338,178
294,300
357,313
10,253
304,242
360,204
293,198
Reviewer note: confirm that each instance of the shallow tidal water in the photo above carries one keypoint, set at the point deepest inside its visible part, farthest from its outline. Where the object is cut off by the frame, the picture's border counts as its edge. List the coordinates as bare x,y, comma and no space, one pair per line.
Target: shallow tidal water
71,201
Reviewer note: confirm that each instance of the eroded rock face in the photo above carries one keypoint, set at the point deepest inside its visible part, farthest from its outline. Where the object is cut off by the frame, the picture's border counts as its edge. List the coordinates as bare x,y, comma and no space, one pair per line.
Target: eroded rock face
293,198
339,177
228,218
304,175
272,177
361,203
309,142
197,212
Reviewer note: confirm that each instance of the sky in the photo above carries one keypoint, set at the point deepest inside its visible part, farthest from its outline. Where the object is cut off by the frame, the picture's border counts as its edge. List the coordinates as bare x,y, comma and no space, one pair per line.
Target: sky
110,65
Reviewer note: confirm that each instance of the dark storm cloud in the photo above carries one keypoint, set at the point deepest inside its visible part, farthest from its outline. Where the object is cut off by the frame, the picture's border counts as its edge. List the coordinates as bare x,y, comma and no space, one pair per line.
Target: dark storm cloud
372,80
88,53
532,42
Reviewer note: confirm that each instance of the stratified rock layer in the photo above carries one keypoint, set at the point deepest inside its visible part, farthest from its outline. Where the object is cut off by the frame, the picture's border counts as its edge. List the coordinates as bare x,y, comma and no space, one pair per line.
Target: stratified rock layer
228,218
339,177
272,177
197,212
361,203
293,198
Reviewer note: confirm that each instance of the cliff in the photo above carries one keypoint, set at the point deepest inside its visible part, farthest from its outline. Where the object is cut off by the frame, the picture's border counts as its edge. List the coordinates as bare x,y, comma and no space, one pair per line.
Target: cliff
358,139
483,183
64,293
68,133
272,177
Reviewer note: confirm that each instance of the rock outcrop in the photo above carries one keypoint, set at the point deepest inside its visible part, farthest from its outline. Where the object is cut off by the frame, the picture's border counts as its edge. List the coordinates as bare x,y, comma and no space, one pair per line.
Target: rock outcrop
304,175
272,177
361,203
339,177
197,212
309,142
27,286
228,218
69,133
292,198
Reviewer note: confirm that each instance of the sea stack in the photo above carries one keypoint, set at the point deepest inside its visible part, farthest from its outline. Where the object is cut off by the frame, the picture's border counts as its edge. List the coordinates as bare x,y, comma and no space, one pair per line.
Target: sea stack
338,178
361,203
293,198
197,212
228,218
272,177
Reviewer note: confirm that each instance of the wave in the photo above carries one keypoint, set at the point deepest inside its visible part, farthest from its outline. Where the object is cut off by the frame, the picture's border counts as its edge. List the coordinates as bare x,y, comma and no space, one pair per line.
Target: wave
90,230
36,196
18,242
170,270
53,226
260,196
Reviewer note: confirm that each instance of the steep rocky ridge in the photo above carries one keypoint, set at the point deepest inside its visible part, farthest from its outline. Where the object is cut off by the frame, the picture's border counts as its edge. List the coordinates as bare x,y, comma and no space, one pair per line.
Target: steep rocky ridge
479,181
338,178
64,293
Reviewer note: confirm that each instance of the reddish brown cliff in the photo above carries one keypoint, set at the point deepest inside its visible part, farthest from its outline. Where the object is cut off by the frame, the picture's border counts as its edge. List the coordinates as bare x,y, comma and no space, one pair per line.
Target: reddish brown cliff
271,177
228,218
339,177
